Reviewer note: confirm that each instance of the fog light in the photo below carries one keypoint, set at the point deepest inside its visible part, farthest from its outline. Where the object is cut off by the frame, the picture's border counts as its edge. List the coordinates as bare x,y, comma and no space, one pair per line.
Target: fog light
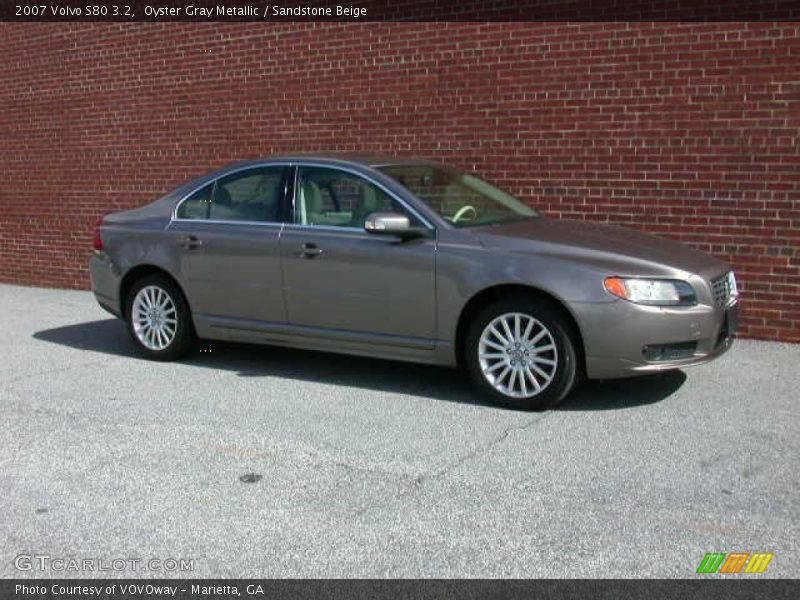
658,352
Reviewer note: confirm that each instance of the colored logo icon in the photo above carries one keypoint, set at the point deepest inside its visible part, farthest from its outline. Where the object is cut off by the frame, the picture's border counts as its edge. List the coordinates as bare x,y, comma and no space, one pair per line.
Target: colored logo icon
734,562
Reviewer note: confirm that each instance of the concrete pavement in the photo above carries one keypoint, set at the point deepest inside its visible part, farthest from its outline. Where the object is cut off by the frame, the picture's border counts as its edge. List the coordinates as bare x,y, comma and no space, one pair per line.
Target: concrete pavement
365,468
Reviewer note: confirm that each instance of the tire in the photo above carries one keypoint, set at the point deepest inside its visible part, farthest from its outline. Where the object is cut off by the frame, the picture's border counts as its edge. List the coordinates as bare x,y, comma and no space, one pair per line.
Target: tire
492,360
173,335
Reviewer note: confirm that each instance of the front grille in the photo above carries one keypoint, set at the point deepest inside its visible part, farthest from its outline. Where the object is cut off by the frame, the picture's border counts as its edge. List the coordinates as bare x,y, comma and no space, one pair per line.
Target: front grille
722,289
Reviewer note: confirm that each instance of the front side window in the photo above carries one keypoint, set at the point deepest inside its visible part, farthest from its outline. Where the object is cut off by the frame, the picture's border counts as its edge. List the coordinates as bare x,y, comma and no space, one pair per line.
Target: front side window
333,198
252,195
460,198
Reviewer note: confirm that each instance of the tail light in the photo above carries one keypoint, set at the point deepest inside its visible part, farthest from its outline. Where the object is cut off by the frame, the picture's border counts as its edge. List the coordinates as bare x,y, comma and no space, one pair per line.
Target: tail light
97,241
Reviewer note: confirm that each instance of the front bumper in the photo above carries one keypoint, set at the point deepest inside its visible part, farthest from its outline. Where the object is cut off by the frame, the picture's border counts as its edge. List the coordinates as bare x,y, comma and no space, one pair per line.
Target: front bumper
616,335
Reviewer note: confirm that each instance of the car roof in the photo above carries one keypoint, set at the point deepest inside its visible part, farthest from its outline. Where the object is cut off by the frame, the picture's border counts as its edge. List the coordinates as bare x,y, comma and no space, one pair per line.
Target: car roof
364,160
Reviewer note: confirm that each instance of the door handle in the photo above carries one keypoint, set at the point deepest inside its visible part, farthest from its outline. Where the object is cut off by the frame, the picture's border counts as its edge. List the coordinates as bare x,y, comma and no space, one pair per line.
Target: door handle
309,250
191,241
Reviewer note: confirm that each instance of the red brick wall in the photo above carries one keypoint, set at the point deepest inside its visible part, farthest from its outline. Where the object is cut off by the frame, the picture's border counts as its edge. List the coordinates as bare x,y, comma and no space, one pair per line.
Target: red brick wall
686,130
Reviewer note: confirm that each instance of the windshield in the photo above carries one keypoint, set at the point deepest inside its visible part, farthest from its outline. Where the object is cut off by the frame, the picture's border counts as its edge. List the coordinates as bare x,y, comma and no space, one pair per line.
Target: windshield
461,199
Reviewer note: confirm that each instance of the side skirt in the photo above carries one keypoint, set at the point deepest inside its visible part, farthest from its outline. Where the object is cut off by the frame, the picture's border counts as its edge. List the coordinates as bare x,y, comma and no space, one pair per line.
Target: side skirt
374,345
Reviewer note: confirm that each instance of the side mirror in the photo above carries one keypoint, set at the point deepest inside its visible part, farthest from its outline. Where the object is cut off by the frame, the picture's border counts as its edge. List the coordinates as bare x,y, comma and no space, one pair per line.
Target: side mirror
392,223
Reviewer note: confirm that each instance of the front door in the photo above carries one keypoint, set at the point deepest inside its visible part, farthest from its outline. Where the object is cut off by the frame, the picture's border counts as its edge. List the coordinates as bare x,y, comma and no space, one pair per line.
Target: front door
339,277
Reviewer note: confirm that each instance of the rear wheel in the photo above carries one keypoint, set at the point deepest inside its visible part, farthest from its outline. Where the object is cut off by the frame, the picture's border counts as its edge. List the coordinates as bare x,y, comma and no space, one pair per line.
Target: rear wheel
521,352
158,319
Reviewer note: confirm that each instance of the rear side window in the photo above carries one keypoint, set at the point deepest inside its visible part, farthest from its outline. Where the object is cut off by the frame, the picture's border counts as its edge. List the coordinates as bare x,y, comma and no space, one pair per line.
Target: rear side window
196,206
253,195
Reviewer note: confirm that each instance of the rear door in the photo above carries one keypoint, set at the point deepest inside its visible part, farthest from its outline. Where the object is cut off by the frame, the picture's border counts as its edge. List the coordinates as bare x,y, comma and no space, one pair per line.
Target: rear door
227,236
339,277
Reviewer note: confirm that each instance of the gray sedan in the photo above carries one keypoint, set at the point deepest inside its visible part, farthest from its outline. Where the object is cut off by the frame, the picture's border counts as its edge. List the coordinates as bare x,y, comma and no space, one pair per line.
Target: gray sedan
408,260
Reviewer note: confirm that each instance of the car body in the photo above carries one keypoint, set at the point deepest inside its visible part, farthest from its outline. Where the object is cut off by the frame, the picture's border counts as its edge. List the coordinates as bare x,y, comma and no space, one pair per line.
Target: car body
320,280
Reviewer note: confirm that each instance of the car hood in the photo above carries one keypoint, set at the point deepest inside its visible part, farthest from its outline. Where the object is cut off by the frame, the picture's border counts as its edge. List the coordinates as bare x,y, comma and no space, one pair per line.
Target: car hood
588,240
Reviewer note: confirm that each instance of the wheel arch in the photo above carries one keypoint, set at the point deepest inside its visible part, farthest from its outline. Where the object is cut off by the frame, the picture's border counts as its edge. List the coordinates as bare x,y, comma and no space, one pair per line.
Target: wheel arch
135,274
496,292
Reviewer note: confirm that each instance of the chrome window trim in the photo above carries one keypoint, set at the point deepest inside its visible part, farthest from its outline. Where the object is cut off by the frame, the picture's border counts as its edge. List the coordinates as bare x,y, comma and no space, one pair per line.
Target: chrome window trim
213,182
297,166
276,224
329,228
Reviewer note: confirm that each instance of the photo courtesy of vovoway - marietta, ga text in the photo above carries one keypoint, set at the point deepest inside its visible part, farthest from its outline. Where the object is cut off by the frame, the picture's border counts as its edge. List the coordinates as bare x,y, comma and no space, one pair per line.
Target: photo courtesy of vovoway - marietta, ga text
137,589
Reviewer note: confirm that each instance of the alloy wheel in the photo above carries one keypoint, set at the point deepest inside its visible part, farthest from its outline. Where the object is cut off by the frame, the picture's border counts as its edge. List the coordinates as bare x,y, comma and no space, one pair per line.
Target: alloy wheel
154,317
517,355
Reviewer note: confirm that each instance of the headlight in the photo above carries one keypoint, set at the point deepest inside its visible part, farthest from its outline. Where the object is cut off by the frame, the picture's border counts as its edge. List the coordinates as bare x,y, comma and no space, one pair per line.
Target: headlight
654,292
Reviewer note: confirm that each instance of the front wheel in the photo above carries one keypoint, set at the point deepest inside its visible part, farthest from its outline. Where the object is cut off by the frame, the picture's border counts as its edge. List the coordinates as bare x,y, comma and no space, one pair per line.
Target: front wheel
158,319
520,351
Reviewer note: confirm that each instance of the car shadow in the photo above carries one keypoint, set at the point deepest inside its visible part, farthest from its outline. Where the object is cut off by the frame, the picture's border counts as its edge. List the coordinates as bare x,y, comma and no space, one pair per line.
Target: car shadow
611,394
109,336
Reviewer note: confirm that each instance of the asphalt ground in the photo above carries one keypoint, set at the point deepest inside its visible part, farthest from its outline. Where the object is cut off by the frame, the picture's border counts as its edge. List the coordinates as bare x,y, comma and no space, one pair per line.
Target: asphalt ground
266,462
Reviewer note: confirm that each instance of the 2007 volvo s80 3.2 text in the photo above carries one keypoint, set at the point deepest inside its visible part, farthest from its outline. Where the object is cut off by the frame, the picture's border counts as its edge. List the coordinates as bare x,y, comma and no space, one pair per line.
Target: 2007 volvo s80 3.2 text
405,259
